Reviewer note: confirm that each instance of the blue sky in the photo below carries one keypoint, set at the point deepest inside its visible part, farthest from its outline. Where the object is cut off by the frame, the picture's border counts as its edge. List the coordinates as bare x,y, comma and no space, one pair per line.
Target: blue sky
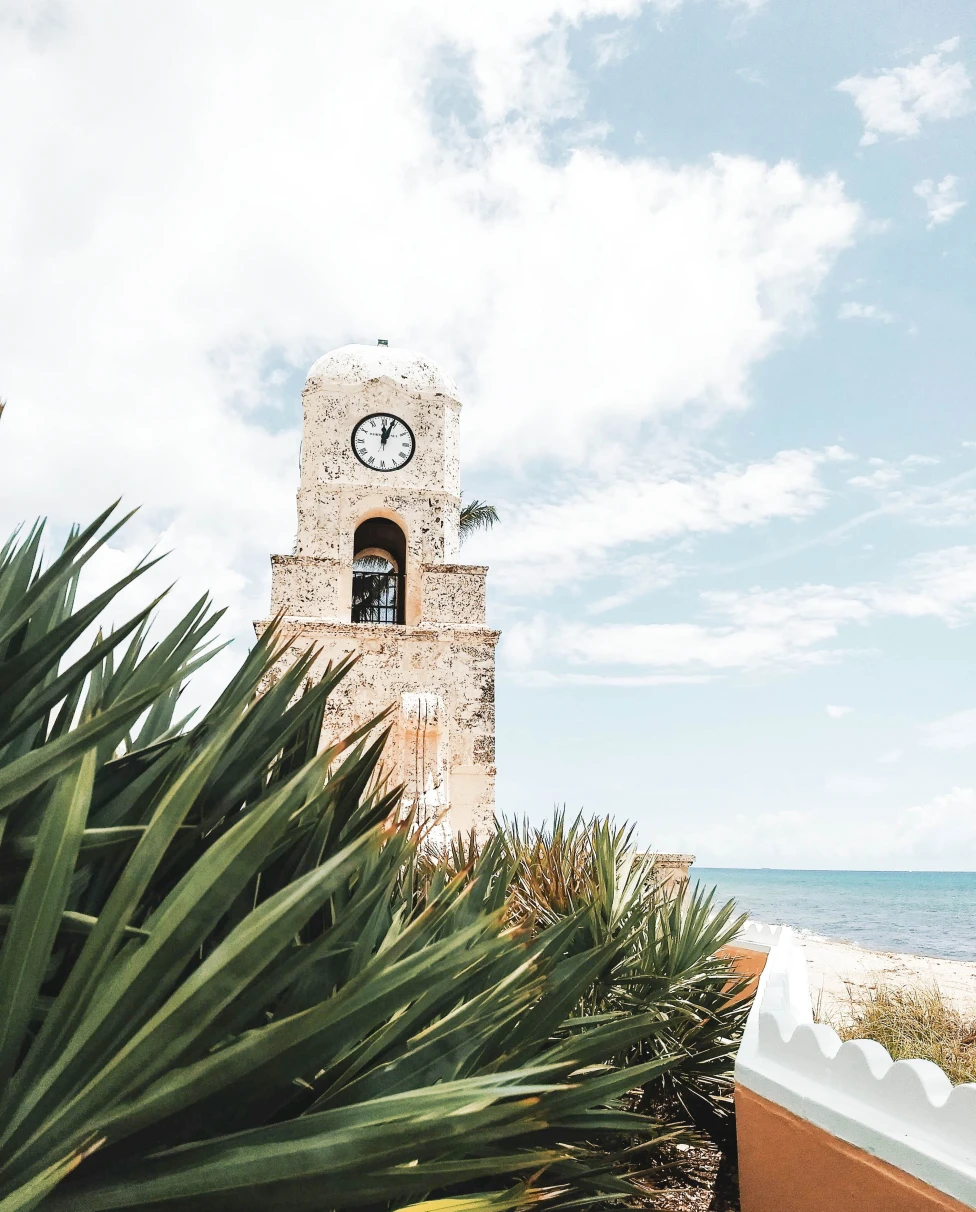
712,319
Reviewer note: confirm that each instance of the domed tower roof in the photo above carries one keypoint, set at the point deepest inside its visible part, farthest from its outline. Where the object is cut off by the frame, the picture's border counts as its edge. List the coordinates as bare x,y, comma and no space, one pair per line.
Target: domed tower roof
355,365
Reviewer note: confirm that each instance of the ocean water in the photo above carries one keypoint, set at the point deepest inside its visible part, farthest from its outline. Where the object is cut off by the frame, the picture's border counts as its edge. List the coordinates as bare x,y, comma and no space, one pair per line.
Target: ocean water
920,912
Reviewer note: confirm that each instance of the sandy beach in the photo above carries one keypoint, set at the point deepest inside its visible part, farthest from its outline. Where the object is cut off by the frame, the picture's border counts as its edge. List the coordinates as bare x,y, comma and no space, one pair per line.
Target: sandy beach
839,971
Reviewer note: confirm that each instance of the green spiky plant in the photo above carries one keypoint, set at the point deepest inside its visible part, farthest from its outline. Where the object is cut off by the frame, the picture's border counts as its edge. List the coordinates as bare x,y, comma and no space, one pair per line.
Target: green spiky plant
665,961
227,982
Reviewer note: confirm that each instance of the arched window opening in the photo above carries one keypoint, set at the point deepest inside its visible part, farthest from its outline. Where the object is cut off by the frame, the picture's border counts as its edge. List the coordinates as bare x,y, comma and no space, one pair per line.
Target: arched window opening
378,569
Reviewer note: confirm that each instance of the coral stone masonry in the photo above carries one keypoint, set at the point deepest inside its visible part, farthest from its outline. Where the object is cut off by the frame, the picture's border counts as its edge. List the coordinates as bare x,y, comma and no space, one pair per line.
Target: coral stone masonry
376,573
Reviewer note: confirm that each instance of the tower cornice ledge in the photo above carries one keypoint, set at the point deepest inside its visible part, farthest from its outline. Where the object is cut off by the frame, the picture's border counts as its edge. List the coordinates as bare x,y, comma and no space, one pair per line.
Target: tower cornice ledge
474,569
306,624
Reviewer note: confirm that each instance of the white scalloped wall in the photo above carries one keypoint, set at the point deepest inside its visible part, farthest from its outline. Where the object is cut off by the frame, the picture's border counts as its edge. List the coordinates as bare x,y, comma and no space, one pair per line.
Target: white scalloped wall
758,935
905,1112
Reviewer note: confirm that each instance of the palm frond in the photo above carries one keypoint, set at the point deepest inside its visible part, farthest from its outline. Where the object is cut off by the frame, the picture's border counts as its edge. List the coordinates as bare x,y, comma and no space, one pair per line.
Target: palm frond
477,515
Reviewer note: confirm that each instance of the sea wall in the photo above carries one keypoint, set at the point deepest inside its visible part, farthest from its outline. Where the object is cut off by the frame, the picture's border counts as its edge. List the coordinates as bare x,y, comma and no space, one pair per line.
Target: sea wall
826,1126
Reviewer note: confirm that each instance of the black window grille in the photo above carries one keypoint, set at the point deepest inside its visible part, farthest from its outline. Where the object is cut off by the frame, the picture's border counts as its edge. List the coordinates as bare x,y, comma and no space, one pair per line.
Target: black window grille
376,597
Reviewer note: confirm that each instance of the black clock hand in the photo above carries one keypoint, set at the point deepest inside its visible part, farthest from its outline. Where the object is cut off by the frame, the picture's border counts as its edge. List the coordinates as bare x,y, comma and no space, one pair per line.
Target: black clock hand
385,431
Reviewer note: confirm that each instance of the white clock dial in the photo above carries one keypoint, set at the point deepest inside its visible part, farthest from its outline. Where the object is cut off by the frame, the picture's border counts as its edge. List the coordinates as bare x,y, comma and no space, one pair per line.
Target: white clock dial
383,442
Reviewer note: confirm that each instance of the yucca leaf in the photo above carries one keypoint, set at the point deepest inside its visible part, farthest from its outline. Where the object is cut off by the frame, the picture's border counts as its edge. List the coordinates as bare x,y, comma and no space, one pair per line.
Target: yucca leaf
74,556
297,970
73,922
27,671
93,841
17,570
37,912
609,1039
328,1148
50,1049
141,979
266,1060
127,787
33,1192
519,1196
198,1000
568,981
27,773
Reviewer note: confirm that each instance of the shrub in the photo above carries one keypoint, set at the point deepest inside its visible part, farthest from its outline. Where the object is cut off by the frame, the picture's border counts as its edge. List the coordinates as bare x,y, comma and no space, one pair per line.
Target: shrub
589,879
227,981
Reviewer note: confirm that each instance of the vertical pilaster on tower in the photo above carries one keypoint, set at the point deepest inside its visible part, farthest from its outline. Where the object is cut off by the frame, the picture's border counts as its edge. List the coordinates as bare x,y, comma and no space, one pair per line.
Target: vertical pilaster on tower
376,572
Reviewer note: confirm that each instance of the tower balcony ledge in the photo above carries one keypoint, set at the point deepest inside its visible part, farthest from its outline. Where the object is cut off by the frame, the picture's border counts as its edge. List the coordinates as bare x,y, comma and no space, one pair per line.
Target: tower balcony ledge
312,624
470,569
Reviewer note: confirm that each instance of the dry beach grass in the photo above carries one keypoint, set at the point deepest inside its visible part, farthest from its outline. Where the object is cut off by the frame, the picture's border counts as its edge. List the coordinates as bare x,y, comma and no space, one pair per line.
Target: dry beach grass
842,975
915,1024
918,1007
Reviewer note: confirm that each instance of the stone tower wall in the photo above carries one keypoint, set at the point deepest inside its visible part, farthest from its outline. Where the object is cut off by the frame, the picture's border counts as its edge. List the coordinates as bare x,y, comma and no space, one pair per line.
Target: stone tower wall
454,669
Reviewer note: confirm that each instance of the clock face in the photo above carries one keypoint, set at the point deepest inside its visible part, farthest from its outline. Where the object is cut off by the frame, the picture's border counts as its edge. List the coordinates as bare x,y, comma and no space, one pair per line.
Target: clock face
383,442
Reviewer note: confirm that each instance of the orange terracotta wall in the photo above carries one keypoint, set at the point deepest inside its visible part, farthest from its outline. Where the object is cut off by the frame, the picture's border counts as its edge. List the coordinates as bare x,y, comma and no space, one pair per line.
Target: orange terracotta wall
789,1165
746,963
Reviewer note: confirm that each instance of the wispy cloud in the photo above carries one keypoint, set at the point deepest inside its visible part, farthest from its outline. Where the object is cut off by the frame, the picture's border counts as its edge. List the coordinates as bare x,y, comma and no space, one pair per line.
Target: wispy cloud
948,502
942,201
788,628
883,477
897,101
836,712
548,543
612,47
957,731
864,311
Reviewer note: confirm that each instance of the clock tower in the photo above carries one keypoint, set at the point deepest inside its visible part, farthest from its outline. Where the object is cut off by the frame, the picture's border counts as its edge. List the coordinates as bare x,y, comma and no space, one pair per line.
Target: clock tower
376,573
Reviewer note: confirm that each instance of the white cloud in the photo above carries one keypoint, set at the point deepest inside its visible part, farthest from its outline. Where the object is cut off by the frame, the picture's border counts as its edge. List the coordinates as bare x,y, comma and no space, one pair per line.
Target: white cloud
864,311
877,227
937,584
612,47
836,712
562,375
884,477
890,756
898,101
682,644
197,196
543,678
637,575
891,475
938,834
947,502
546,543
942,201
956,731
789,628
